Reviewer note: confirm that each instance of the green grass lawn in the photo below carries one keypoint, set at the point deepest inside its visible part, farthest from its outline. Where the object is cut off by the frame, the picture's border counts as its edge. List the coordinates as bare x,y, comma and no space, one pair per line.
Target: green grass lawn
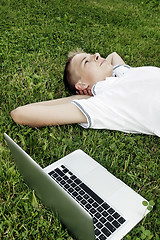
36,36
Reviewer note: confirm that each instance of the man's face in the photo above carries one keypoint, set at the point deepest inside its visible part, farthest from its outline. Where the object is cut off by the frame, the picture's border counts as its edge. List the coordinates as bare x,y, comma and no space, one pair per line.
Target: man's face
90,68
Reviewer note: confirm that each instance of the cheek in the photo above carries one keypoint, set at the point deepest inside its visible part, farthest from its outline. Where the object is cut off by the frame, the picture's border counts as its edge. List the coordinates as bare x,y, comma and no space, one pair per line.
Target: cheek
93,74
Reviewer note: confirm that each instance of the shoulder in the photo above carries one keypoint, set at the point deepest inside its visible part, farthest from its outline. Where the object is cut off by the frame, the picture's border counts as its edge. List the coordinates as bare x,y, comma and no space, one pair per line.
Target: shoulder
103,86
120,70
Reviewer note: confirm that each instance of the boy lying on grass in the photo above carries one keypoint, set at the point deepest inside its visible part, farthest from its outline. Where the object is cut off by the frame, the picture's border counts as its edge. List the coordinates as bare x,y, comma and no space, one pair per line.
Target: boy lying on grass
108,94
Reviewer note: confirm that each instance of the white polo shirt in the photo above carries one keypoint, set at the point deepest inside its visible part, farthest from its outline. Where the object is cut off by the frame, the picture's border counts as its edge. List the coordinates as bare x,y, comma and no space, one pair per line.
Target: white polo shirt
129,101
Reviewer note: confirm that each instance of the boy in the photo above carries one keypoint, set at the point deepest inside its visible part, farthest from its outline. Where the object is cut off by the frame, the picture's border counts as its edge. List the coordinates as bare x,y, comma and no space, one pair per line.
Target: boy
111,95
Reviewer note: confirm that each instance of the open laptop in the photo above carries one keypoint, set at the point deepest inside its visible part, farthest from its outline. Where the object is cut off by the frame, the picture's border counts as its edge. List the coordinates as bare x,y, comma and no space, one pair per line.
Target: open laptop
89,200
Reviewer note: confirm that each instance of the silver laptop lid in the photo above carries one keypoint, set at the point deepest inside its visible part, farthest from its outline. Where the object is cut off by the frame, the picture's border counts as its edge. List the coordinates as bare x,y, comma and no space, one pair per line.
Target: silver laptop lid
77,220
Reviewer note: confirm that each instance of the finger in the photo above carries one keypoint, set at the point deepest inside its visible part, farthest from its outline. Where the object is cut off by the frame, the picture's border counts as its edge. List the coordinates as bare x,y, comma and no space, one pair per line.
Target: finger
81,92
85,92
90,92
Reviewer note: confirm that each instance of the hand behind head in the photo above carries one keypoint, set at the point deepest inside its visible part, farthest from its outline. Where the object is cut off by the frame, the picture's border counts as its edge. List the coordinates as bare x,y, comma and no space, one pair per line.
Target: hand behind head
84,92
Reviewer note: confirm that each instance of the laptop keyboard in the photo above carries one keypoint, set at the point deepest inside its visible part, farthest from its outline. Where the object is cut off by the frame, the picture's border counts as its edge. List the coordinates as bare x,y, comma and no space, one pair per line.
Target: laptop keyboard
106,220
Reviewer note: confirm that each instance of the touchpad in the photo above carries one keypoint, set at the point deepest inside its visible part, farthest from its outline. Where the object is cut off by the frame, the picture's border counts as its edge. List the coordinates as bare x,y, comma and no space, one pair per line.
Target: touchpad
102,182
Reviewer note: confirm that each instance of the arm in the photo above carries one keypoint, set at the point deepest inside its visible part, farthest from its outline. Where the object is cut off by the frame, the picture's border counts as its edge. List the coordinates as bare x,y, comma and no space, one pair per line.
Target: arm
115,59
49,113
59,100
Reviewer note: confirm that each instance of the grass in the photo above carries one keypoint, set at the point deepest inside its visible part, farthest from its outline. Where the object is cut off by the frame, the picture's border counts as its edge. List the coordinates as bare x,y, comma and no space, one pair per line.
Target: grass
36,36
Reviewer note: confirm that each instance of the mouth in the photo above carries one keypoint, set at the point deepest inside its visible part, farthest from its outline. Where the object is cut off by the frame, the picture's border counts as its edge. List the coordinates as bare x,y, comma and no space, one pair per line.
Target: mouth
102,62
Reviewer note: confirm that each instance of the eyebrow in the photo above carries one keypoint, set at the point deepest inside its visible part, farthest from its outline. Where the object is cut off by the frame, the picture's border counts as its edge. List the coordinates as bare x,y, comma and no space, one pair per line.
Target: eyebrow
83,59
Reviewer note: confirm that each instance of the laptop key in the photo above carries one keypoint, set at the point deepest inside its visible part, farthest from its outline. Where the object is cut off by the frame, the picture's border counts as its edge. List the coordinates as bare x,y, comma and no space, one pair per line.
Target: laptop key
100,209
91,193
88,206
121,220
99,225
82,192
92,211
53,174
116,215
65,170
62,166
79,198
110,218
83,202
102,237
106,232
57,170
95,220
90,200
98,215
65,178
66,186
73,185
103,220
86,196
77,188
58,179
95,204
105,214
69,181
74,194
97,232
111,211
110,227
116,224
70,190
73,177
78,181
62,182
105,206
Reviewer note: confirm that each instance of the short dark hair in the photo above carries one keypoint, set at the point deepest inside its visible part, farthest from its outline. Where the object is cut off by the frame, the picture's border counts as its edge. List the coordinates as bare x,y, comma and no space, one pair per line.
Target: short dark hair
67,77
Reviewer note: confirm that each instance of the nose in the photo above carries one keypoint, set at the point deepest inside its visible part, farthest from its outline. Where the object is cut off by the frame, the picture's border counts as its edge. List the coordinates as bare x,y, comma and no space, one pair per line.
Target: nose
96,56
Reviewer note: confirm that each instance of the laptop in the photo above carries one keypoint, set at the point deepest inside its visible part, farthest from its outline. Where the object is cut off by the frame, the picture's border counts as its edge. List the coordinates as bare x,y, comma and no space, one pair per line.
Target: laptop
91,202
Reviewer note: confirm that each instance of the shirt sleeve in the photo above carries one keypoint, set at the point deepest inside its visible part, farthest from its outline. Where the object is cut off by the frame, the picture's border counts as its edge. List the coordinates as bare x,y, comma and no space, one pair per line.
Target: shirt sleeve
98,114
81,104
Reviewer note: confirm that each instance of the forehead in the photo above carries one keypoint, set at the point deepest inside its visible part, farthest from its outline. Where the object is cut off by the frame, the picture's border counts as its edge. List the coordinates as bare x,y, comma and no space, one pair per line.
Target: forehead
75,65
78,58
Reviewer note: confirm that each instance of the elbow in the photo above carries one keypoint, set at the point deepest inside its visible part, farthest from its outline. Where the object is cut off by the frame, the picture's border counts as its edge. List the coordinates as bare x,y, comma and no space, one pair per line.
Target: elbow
16,115
24,116
115,54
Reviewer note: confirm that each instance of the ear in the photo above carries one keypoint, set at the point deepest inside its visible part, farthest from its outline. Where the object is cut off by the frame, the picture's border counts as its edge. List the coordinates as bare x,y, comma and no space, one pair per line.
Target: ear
81,86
